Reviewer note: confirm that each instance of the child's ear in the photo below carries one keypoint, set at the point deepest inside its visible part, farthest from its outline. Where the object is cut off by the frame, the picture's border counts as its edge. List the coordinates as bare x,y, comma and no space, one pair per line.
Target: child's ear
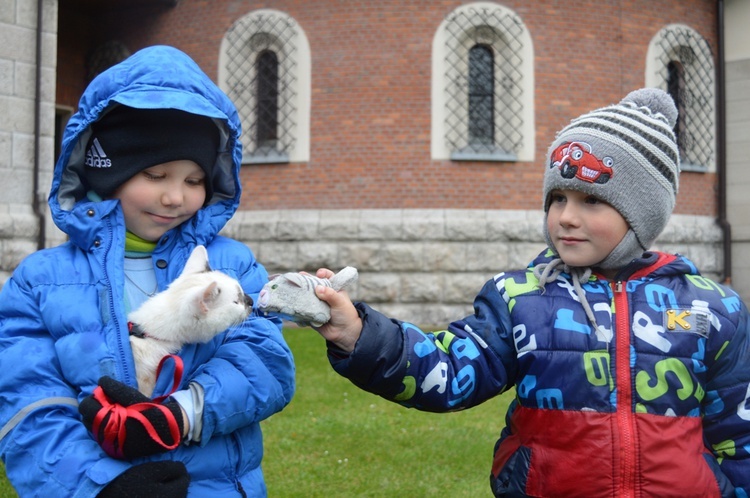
208,297
197,262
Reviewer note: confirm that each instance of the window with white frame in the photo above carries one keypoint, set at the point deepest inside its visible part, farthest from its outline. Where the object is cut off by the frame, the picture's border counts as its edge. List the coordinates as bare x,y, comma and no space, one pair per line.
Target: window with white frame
264,67
482,86
680,62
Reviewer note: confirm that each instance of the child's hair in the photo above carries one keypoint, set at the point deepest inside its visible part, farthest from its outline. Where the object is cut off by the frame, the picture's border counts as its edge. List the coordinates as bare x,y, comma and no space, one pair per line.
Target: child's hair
627,156
125,141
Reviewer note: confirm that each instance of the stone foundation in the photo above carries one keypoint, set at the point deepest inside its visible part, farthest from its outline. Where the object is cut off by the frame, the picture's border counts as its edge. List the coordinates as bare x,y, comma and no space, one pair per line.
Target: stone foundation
426,266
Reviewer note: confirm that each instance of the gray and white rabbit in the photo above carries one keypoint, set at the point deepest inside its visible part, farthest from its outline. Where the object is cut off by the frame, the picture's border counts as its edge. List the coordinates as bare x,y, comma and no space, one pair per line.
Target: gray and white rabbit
292,296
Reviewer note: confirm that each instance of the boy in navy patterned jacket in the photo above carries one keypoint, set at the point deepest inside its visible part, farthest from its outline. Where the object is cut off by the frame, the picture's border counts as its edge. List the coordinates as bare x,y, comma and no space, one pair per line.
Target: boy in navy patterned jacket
631,370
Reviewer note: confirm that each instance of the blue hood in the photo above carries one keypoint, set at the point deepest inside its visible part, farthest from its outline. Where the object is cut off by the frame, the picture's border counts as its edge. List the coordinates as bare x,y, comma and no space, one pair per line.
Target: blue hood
157,77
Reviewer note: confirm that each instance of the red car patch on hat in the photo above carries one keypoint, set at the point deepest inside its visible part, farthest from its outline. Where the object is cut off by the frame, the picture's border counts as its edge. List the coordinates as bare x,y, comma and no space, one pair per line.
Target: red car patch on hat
575,159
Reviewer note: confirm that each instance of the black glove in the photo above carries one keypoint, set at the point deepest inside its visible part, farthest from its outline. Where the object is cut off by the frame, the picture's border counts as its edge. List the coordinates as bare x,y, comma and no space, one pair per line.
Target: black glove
150,480
127,424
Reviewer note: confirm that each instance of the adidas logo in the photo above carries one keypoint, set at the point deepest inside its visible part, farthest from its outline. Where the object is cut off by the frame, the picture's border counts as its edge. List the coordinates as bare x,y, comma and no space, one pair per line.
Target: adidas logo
95,156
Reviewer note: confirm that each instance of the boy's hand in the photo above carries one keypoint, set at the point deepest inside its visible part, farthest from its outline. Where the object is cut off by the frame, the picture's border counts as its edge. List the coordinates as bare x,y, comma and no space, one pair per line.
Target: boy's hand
345,326
127,424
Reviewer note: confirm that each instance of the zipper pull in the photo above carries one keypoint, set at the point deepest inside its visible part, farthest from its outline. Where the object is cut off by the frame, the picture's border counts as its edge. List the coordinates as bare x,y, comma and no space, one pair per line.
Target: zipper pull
618,286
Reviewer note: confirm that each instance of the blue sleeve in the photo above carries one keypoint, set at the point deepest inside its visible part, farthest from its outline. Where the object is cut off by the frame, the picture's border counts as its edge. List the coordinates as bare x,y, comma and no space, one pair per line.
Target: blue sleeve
251,375
46,449
466,364
726,418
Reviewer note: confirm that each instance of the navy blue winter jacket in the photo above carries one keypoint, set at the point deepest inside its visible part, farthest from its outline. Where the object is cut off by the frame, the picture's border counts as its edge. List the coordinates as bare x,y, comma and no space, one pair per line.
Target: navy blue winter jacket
653,402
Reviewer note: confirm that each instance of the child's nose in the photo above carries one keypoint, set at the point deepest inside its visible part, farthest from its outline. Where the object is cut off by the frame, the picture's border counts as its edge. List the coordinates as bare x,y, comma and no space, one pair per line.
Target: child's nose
171,197
569,215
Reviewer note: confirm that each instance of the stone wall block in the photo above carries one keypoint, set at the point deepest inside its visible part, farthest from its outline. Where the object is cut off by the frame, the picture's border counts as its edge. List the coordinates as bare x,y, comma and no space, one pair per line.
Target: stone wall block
404,256
445,256
7,226
460,286
7,74
466,224
298,225
277,257
339,224
424,224
377,224
256,225
13,251
313,255
17,221
520,254
365,256
512,225
377,288
486,257
6,148
421,287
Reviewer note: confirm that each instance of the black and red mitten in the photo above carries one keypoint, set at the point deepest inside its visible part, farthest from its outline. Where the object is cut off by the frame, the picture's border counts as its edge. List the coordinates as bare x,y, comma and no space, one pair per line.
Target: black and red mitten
165,479
127,424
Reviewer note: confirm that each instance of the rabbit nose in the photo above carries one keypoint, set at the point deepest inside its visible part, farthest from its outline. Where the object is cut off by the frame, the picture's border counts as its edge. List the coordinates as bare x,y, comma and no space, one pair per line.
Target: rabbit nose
263,298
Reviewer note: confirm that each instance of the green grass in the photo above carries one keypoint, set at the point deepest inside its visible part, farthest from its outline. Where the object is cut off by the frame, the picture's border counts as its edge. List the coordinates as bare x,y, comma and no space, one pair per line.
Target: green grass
334,440
6,490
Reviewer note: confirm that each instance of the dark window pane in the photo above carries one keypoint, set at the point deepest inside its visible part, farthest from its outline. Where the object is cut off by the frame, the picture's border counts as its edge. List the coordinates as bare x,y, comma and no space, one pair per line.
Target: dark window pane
267,66
675,88
481,95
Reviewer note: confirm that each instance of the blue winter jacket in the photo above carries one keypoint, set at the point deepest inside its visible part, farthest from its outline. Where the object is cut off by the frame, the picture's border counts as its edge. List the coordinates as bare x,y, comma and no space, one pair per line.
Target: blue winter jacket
653,402
63,324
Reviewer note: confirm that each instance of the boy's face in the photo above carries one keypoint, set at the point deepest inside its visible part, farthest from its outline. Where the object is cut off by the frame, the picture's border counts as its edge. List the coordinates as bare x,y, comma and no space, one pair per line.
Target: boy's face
161,197
583,228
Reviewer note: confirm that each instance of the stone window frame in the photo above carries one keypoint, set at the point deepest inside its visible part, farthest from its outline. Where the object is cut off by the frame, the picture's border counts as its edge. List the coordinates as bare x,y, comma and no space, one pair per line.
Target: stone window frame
680,50
494,26
258,32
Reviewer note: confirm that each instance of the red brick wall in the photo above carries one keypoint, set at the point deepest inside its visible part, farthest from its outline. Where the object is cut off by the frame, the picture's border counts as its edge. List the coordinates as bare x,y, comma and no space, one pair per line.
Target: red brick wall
371,70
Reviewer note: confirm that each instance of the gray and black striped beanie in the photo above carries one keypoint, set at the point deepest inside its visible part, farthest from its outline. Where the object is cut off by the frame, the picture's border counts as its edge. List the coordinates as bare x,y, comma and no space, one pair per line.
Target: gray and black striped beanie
627,156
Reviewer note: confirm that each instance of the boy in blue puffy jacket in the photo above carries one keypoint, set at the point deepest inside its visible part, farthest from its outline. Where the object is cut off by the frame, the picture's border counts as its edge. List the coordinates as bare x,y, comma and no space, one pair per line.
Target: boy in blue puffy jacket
149,169
631,370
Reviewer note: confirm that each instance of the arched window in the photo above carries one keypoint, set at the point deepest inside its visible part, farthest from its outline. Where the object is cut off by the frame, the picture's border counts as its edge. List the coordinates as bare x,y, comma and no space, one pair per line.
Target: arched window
267,105
264,67
482,87
680,62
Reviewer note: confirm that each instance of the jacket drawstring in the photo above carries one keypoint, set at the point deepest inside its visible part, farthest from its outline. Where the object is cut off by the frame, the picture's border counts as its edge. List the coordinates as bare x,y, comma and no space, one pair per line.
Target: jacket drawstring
548,272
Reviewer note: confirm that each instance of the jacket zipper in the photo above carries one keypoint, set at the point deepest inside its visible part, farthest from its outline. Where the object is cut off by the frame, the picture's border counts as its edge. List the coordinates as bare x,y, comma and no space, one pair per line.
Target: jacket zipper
238,449
112,308
625,417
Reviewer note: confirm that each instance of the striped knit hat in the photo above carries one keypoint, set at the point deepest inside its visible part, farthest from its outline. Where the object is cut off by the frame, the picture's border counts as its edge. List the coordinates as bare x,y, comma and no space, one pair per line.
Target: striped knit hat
627,156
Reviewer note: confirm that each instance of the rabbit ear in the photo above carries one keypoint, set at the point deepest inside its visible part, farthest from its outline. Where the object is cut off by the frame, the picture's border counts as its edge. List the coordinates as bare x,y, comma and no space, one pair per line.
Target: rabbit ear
197,262
295,279
344,278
